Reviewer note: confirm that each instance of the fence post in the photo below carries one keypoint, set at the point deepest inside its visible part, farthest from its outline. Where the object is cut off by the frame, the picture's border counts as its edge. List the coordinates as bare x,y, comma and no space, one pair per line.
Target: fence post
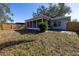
11,26
1,26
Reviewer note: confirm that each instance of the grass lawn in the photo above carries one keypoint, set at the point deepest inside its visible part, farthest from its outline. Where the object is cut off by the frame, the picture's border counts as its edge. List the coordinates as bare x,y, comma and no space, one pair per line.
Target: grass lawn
24,43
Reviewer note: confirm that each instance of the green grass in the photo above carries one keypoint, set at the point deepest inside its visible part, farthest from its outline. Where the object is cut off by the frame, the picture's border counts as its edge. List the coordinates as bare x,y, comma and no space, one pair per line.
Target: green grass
48,43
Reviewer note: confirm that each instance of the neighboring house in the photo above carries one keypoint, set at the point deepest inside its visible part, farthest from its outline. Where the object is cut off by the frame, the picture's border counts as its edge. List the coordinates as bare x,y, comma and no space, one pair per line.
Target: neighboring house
58,23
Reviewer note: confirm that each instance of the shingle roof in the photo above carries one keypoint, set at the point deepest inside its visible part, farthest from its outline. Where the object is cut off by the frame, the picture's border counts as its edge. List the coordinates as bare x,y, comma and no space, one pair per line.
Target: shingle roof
61,17
38,17
47,17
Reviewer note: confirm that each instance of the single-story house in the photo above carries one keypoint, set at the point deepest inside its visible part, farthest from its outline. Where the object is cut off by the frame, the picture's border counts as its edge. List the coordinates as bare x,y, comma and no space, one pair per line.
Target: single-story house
58,23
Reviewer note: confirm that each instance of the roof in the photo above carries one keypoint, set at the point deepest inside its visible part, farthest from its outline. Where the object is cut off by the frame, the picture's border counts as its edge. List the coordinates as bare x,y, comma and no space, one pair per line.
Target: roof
61,17
47,17
38,17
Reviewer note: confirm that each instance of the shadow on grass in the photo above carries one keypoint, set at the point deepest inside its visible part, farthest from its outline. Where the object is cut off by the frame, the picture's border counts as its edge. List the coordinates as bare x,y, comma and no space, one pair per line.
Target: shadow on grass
26,31
12,43
77,33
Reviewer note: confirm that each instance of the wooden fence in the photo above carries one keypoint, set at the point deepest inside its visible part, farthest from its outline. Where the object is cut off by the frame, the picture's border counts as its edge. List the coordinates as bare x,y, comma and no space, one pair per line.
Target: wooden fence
73,26
11,26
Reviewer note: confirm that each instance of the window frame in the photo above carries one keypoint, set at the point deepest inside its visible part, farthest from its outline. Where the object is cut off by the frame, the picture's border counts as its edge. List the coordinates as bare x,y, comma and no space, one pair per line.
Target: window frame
57,23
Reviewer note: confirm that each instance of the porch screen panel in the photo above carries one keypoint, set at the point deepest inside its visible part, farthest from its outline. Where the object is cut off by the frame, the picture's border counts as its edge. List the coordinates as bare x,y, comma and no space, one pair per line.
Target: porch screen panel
34,24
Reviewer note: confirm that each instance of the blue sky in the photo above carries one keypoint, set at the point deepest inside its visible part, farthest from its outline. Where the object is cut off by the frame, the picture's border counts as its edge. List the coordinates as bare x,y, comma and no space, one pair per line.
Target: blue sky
23,11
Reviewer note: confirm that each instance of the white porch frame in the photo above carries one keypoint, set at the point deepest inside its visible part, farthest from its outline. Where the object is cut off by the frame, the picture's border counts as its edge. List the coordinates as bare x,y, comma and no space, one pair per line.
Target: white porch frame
31,26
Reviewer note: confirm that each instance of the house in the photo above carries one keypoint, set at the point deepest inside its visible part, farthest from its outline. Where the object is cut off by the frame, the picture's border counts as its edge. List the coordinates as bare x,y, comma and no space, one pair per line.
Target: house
58,23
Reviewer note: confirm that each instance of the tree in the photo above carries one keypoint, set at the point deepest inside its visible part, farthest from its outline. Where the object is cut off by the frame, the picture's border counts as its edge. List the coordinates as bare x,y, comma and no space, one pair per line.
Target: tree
41,10
53,10
63,9
5,12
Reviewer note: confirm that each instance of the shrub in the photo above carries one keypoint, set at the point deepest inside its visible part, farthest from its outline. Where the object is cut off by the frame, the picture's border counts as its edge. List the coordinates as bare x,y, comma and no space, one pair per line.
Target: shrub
43,27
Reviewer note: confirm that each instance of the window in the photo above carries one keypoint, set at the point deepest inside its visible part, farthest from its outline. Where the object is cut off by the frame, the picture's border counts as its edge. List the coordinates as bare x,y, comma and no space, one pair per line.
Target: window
57,24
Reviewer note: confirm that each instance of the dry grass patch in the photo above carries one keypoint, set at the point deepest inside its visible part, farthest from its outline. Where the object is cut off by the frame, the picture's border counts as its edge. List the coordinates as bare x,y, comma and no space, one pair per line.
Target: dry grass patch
48,43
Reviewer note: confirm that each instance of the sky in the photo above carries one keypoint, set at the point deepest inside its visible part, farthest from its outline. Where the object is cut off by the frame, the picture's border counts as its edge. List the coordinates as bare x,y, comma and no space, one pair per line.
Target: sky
24,11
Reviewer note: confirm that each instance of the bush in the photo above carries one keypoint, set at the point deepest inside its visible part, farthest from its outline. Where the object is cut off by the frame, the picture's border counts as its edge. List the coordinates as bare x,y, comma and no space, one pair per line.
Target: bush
43,27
